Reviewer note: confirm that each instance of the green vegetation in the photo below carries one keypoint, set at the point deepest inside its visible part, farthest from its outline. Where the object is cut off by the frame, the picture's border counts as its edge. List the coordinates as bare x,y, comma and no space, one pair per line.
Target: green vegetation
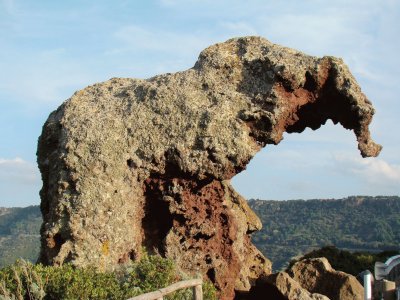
350,262
18,220
366,225
19,234
292,228
19,238
24,280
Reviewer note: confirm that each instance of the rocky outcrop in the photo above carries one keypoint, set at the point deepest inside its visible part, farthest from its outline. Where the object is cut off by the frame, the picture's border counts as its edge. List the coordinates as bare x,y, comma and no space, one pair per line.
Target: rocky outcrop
317,276
290,289
308,279
129,163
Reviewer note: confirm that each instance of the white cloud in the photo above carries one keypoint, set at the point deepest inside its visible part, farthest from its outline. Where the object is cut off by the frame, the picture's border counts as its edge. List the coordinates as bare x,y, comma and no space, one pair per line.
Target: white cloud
18,171
374,171
19,182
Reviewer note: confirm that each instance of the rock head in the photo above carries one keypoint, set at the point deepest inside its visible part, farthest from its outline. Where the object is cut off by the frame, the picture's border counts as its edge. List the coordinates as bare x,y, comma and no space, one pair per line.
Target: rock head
129,164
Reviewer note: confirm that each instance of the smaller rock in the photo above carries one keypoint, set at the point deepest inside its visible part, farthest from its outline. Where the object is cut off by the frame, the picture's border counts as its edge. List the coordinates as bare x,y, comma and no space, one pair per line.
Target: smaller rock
317,276
278,286
290,289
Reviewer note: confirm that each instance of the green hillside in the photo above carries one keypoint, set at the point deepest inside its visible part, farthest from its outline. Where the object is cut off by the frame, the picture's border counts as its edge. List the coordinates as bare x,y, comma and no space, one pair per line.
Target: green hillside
19,234
292,228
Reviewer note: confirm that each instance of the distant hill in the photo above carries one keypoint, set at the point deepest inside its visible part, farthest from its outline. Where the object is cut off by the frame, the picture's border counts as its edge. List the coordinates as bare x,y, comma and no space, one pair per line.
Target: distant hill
360,223
19,234
290,228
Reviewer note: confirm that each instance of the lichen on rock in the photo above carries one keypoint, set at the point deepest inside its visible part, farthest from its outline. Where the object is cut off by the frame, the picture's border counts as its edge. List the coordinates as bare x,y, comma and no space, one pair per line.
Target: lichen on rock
129,163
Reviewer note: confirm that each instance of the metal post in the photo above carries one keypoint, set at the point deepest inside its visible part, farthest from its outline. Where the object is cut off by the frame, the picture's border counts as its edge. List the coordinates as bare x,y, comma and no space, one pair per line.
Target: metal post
367,286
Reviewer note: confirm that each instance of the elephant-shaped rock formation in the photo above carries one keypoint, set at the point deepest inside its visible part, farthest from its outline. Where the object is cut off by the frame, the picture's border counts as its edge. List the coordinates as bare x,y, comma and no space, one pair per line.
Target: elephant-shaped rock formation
129,164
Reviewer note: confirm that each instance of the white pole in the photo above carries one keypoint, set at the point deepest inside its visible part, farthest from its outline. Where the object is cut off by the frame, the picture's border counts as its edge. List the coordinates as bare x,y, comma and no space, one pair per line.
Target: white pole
367,287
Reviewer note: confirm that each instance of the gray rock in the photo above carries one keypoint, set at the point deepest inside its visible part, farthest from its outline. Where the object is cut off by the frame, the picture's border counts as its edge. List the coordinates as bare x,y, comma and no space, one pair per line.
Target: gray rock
291,289
317,276
129,163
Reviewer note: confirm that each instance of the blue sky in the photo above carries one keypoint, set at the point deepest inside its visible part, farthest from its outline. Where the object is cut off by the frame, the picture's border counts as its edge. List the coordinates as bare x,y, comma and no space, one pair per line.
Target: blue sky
49,49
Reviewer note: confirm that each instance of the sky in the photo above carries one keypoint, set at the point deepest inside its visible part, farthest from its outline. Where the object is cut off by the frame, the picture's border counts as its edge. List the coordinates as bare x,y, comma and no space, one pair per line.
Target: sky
50,49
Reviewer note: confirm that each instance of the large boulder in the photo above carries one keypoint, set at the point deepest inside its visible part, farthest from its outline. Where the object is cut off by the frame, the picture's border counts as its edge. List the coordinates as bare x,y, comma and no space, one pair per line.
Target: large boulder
131,163
317,276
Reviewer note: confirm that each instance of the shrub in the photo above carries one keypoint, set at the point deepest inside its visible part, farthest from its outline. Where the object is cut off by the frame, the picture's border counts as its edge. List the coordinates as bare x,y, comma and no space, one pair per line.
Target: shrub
154,272
151,273
24,280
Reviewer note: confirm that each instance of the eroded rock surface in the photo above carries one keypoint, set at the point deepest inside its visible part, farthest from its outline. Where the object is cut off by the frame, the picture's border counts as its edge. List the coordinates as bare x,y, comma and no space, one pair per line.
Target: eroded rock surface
317,276
308,279
290,289
129,163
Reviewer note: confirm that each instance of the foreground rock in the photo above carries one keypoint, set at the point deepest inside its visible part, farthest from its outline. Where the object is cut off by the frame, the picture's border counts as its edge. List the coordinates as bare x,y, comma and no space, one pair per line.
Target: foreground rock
317,276
291,289
129,163
308,279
